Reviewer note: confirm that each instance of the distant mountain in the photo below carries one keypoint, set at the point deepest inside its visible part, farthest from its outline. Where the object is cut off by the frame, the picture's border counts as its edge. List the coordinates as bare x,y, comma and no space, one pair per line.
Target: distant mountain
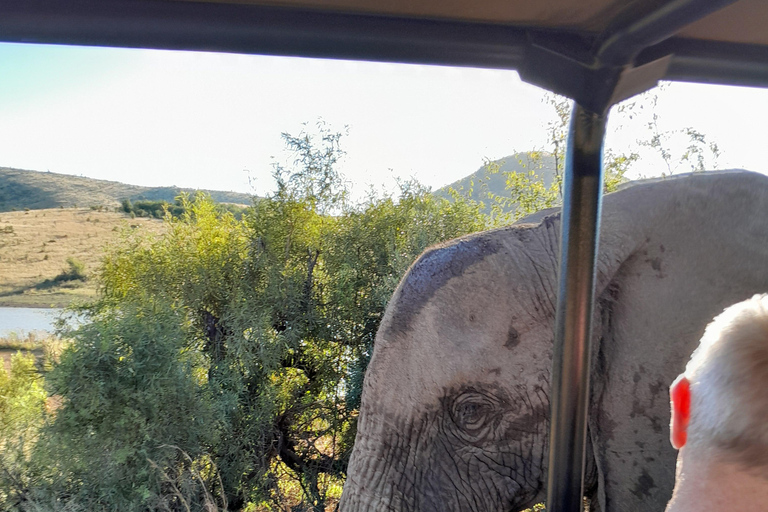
478,184
20,189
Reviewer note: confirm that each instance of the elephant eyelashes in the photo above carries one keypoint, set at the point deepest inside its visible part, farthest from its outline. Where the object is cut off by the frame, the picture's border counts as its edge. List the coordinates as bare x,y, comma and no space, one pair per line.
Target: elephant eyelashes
476,414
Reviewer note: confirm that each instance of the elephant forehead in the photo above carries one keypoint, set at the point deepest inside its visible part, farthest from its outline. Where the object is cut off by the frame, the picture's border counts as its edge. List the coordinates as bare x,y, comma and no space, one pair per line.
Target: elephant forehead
432,271
478,333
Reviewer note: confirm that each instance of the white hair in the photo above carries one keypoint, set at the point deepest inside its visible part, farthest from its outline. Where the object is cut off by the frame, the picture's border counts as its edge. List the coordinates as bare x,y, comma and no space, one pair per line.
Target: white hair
728,373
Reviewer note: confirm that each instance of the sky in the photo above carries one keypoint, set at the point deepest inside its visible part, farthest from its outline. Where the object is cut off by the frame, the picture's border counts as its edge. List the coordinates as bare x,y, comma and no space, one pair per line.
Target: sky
214,121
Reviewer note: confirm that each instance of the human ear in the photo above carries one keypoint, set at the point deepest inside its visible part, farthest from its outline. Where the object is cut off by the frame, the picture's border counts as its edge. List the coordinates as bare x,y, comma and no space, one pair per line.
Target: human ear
680,401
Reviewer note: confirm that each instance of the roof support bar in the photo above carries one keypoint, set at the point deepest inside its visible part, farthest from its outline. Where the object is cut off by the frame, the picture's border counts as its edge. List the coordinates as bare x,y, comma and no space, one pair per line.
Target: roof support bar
622,44
261,28
580,227
710,61
596,84
609,72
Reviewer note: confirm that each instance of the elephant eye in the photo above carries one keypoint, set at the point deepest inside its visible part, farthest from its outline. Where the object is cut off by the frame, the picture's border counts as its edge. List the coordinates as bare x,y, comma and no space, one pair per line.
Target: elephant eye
473,412
470,414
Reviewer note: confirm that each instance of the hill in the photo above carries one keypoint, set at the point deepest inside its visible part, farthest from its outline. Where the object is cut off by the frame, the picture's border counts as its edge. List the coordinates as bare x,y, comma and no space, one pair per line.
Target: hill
21,189
478,184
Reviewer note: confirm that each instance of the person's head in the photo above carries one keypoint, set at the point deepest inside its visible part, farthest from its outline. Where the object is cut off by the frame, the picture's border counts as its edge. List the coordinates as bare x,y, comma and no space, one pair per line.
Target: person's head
720,403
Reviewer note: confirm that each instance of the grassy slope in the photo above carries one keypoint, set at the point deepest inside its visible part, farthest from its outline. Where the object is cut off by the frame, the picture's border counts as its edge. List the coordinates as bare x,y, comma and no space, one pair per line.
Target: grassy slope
481,181
35,245
20,189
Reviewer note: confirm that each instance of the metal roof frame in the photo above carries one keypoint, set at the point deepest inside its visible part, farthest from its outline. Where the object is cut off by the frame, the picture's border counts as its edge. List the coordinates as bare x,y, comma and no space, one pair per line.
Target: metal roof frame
595,69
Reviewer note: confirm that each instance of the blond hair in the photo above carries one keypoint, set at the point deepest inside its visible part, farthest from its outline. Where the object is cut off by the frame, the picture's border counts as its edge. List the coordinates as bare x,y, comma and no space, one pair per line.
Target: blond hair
728,373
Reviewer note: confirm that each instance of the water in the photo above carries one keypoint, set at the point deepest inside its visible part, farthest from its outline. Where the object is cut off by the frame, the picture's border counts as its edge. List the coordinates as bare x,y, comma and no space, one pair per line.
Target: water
25,320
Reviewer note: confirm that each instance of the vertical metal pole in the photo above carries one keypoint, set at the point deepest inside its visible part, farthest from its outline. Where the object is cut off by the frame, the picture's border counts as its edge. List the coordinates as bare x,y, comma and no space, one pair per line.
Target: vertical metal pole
580,227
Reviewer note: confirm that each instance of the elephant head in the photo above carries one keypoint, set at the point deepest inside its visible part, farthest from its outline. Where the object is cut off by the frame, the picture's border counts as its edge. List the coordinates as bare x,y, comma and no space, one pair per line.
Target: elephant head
455,408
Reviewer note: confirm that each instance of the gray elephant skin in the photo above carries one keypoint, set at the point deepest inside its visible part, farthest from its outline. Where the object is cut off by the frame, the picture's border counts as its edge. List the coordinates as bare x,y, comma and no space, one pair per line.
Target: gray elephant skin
455,407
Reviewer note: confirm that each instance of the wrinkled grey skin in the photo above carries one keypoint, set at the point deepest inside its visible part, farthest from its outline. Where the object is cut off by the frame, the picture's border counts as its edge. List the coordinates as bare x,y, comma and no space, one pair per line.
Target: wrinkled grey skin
455,411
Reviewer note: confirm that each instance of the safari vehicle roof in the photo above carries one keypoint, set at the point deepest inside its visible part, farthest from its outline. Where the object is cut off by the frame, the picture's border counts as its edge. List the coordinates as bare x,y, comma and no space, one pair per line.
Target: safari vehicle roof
595,51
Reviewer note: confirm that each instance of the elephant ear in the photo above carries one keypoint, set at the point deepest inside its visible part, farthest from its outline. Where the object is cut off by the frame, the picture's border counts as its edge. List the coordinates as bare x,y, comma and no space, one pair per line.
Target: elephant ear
673,254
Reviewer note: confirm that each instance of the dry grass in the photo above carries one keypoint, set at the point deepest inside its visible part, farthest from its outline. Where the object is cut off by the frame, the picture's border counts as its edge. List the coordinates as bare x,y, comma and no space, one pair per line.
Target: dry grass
35,245
44,347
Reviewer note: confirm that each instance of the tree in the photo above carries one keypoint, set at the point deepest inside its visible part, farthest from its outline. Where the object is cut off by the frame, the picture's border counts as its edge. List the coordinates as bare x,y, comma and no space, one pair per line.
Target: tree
253,333
528,192
686,147
313,178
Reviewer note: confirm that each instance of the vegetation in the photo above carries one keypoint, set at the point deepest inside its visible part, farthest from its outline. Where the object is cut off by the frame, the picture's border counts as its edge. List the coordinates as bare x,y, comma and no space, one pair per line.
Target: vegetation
40,345
75,271
155,209
523,183
491,178
161,208
22,407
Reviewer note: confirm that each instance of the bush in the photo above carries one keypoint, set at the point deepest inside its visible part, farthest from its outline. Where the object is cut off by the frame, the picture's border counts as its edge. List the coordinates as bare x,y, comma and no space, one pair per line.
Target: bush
134,414
22,413
75,271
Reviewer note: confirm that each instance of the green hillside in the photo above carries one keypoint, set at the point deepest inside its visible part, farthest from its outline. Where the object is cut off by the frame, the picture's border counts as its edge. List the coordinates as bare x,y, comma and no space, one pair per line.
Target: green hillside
478,184
20,189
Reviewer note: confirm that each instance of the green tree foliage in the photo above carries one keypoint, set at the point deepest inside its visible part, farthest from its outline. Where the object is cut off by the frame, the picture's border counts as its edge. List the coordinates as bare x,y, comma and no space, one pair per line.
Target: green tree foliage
75,271
156,209
22,412
159,209
528,192
133,404
223,363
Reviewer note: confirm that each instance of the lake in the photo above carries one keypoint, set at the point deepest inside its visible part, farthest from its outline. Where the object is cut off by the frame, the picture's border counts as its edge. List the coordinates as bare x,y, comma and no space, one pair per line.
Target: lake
24,320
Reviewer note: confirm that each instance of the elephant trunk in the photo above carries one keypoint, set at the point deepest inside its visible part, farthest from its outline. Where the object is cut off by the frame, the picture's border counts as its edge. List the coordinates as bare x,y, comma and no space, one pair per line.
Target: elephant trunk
372,483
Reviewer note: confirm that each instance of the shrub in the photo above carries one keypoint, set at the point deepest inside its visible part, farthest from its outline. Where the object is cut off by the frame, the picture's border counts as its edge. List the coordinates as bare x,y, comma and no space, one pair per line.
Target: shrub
130,432
22,413
75,271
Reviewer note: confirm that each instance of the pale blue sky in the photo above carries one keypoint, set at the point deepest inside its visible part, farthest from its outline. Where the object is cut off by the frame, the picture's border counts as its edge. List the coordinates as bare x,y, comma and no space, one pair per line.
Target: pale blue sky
200,120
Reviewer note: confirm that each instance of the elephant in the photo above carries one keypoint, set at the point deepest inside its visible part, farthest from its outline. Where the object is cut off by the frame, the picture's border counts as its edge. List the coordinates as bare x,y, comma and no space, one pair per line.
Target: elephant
455,404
